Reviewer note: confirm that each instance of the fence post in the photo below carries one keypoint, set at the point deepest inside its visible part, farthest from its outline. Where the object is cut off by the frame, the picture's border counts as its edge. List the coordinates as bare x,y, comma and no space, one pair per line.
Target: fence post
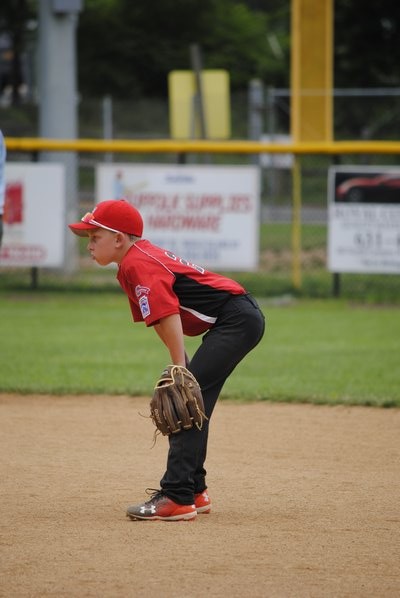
296,224
336,286
255,115
199,112
271,130
107,118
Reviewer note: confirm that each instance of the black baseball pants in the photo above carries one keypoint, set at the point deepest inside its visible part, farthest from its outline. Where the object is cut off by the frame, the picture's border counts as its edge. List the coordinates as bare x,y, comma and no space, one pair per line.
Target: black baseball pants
238,329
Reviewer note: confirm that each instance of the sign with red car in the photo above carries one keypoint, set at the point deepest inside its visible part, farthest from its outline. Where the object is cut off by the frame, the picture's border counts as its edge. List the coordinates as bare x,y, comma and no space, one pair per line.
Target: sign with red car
364,219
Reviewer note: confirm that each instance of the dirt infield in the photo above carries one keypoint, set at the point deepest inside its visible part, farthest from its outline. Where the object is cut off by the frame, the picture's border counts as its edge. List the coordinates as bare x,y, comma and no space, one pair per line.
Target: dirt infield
306,503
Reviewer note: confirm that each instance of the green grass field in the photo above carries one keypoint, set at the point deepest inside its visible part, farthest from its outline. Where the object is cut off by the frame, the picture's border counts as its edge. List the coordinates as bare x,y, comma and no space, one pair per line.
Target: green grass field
313,351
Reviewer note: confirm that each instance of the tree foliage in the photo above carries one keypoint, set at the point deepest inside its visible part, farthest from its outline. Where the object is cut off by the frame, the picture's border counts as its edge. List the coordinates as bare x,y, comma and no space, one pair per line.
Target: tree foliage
367,48
14,16
367,56
128,48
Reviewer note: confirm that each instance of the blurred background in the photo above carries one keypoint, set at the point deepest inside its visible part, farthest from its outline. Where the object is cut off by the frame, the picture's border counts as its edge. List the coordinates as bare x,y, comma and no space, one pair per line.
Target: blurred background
125,52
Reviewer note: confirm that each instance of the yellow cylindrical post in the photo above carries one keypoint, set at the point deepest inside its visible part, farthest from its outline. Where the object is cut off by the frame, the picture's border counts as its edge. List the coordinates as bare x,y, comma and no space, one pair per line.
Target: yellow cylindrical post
311,95
312,70
296,224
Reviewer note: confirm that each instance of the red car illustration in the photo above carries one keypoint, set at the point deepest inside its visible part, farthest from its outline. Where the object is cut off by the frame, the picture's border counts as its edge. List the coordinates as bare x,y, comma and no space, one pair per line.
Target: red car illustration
381,188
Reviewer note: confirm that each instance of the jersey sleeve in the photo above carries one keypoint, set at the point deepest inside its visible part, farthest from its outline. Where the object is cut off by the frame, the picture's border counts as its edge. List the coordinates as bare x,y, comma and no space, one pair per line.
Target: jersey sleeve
136,314
151,295
160,302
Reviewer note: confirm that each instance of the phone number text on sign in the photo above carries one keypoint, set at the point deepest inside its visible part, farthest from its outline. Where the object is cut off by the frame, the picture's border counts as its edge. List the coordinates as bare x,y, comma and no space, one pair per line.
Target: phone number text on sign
364,238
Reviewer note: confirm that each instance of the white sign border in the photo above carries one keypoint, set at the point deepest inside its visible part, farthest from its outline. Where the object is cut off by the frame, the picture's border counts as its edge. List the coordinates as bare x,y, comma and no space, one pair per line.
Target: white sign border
233,245
363,260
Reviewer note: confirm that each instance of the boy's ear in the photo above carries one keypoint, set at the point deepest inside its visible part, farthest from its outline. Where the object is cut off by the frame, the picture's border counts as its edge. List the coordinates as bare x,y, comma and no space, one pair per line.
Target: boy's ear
119,238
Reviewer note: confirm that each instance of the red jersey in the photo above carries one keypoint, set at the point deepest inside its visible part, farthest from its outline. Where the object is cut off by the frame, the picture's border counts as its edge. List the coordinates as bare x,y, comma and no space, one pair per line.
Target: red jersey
159,284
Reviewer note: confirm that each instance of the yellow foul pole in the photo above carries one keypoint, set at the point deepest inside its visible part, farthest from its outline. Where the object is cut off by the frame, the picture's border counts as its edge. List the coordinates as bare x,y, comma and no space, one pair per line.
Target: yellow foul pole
311,95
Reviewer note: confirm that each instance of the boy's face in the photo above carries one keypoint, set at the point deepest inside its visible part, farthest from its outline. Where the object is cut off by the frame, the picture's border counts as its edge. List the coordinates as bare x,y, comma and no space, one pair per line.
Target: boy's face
103,245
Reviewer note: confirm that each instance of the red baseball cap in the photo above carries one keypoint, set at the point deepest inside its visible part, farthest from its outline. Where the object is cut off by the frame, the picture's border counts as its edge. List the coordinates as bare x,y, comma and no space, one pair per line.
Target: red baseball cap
116,215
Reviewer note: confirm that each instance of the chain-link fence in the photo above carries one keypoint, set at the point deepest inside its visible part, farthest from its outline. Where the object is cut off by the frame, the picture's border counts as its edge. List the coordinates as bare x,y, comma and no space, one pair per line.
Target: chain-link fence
358,114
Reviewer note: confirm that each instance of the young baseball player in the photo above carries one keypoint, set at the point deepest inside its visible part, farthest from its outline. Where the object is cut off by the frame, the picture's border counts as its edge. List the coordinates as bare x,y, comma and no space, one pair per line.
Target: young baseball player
176,298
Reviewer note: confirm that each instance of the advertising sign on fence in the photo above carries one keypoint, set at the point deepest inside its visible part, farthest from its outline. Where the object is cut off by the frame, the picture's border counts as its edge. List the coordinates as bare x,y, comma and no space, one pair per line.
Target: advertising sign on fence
34,215
364,220
208,215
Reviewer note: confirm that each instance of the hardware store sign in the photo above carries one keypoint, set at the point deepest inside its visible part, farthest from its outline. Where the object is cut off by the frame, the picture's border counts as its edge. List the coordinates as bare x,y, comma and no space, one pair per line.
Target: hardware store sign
208,215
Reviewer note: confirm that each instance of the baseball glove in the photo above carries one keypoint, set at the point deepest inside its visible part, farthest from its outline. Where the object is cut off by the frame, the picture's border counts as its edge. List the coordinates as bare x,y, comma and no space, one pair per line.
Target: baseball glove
177,402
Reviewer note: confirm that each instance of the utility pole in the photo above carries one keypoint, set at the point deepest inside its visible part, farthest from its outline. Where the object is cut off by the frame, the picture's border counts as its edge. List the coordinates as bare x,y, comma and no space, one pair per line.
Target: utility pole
58,97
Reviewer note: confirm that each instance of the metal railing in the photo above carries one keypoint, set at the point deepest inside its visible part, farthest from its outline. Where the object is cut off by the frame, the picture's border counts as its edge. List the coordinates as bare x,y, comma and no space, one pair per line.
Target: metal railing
200,146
